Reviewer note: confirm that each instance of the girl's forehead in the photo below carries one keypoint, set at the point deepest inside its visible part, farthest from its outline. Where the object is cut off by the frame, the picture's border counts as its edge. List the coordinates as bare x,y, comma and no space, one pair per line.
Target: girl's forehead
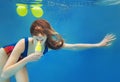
38,28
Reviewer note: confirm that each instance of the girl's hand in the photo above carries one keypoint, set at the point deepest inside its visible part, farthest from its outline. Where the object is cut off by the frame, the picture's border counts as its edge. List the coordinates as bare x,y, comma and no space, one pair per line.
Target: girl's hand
107,41
33,57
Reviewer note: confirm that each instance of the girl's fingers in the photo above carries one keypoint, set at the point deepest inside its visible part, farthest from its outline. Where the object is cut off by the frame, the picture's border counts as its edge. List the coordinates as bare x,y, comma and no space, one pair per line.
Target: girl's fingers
109,44
110,37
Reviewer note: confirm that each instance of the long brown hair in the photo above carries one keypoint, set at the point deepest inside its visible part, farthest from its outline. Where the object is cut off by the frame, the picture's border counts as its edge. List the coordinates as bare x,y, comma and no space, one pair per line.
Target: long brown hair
54,40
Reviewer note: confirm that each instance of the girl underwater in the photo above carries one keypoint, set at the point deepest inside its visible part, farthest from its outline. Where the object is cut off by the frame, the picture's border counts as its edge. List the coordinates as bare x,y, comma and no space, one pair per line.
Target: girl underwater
13,58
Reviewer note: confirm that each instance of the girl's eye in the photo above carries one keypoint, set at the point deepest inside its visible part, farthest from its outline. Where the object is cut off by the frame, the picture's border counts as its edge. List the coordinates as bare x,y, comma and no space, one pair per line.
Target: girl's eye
39,39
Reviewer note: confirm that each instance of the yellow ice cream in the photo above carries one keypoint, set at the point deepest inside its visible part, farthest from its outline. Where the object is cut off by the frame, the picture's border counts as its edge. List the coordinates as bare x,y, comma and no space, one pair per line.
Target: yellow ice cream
38,47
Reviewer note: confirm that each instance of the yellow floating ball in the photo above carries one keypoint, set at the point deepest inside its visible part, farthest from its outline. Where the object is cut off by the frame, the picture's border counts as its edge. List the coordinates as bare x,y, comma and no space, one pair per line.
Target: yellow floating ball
37,11
22,10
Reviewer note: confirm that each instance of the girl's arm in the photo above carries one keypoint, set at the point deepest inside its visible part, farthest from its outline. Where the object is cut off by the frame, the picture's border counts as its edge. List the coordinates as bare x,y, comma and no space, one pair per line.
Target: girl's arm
12,66
105,42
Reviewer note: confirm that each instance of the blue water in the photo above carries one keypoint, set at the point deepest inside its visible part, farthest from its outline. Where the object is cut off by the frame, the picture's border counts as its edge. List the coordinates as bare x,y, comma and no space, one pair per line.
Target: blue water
83,23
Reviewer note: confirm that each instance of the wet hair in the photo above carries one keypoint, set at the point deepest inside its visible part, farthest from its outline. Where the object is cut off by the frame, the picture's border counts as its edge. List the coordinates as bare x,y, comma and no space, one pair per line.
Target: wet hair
54,40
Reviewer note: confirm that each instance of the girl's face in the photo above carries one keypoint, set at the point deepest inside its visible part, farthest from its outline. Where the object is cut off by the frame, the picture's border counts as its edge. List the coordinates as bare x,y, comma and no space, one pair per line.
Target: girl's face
39,37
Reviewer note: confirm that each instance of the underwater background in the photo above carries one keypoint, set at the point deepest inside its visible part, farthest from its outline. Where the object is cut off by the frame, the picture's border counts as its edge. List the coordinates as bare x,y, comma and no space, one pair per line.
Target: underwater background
78,21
